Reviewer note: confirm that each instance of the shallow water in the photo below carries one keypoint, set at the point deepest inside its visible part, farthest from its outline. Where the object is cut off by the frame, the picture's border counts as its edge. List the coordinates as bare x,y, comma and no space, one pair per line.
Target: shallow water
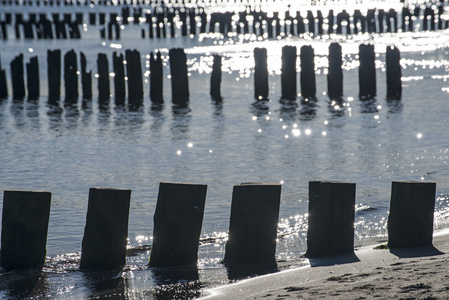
67,150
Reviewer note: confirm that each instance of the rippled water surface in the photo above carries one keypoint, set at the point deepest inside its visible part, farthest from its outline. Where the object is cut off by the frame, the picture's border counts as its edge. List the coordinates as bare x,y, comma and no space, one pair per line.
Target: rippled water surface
68,149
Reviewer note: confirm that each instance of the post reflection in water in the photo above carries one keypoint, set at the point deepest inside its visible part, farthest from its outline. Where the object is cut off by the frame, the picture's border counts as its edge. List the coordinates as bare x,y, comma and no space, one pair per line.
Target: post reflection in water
100,284
368,106
180,121
72,115
308,110
18,114
176,283
394,106
157,112
336,107
20,284
245,270
288,111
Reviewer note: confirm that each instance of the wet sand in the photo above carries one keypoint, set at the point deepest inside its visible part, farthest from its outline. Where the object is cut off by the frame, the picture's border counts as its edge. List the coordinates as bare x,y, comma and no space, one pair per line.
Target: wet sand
412,273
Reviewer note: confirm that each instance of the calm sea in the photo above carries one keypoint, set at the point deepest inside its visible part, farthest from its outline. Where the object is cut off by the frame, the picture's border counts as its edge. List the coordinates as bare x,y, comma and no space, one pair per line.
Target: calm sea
68,149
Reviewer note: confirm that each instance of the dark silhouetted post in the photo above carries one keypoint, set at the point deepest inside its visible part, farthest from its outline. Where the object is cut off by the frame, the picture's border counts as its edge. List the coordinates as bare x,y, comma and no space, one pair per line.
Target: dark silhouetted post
119,78
410,221
70,76
260,74
215,80
367,72
18,82
308,85
156,78
179,76
253,223
335,73
86,78
288,76
24,229
177,224
394,73
103,77
33,78
54,74
106,231
331,218
3,84
134,74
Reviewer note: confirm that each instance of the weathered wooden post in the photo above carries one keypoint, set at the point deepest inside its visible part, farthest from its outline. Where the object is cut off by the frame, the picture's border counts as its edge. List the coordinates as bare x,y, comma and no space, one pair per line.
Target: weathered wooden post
33,78
3,83
24,229
119,78
308,83
335,73
54,74
215,79
367,72
177,224
331,218
134,74
106,231
288,72
394,73
156,78
260,74
86,78
103,77
253,223
410,221
179,76
71,76
18,82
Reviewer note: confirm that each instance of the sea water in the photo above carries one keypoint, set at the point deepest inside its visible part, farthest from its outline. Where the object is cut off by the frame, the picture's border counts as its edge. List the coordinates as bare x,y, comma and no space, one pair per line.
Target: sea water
67,149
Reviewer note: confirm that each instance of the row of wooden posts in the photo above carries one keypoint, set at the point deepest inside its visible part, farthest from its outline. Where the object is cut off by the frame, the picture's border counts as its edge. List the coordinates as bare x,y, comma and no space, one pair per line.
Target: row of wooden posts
179,75
161,22
179,215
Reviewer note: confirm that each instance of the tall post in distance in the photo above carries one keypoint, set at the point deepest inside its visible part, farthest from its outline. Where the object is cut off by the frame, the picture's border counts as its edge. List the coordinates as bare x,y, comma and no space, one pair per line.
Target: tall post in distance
215,80
260,74
308,83
288,76
179,76
367,72
335,73
394,73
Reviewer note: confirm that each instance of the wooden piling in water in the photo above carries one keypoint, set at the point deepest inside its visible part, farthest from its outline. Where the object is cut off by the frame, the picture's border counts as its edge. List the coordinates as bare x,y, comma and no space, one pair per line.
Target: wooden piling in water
410,220
331,218
260,74
307,76
70,76
3,83
394,73
119,78
54,74
134,74
156,78
179,76
86,78
367,72
106,230
288,73
253,223
335,72
33,78
215,80
177,224
17,73
24,229
104,91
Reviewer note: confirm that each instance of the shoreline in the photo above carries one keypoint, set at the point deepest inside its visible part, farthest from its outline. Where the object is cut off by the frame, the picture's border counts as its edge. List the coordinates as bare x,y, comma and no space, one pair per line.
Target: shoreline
418,272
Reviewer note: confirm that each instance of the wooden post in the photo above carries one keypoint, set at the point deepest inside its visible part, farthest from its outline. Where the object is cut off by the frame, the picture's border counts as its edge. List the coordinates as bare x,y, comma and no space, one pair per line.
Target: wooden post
394,73
288,76
71,76
260,74
367,72
179,76
156,78
119,78
103,77
215,79
134,74
54,74
410,221
335,73
24,229
106,231
331,218
177,224
308,84
33,78
18,82
3,83
253,224
86,78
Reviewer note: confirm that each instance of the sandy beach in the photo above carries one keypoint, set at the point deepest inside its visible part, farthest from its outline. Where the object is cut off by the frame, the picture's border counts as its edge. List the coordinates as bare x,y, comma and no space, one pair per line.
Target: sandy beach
412,273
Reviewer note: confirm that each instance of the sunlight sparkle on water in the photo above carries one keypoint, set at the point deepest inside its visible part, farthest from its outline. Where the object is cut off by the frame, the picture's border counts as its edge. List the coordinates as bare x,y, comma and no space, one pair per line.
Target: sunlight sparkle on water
190,145
419,135
179,152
